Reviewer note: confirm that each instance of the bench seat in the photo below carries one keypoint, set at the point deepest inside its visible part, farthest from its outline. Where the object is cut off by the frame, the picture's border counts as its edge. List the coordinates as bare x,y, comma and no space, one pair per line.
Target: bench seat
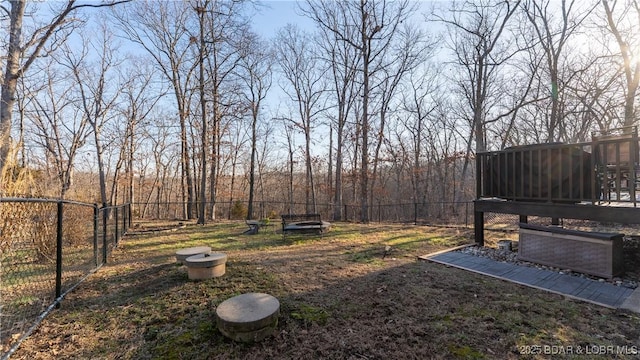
304,223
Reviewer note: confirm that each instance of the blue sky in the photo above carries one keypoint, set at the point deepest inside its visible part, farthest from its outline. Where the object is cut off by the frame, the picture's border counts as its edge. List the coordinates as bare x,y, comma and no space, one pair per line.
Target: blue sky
276,14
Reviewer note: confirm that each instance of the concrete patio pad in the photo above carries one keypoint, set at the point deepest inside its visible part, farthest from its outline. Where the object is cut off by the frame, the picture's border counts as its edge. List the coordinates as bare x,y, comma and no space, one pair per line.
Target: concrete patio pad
584,289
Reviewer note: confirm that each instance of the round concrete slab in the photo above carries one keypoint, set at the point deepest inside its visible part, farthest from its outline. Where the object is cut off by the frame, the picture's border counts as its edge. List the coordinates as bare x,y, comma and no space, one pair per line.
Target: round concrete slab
182,254
248,317
206,260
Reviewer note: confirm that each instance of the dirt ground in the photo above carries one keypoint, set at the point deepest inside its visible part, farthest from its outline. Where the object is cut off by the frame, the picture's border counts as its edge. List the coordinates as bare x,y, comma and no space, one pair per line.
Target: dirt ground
358,292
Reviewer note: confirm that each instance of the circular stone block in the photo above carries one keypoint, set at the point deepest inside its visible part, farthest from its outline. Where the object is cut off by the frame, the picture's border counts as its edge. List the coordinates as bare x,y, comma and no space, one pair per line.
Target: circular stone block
248,317
206,266
206,260
182,254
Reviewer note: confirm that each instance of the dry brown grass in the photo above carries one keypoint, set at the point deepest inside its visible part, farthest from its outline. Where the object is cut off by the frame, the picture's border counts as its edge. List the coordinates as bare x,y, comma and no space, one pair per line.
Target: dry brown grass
340,296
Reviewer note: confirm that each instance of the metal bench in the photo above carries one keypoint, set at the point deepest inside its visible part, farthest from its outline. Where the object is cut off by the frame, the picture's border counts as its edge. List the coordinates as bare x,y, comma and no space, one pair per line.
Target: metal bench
303,223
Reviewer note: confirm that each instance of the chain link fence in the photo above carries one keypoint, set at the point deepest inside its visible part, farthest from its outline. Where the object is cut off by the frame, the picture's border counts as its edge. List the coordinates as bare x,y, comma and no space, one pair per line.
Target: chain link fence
450,213
47,247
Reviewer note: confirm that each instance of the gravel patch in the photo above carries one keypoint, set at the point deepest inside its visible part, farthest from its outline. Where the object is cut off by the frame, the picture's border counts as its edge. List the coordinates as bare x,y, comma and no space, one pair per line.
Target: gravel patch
630,279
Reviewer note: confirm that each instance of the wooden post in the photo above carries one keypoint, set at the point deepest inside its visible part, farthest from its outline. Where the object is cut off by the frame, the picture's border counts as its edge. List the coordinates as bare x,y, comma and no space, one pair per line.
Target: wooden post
478,227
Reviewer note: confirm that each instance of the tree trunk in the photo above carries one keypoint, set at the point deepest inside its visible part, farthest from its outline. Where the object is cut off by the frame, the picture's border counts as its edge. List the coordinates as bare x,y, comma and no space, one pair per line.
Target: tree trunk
203,113
252,165
364,128
10,81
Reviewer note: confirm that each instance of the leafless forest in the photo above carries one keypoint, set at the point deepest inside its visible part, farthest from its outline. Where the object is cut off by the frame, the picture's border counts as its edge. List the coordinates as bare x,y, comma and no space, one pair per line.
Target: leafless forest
368,102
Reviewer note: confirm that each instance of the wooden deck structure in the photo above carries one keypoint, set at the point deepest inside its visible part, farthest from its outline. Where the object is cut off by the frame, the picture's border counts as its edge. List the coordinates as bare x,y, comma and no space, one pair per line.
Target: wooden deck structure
597,180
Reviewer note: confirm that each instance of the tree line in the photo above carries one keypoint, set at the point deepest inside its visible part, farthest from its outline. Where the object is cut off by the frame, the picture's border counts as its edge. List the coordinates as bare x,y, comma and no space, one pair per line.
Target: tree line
370,102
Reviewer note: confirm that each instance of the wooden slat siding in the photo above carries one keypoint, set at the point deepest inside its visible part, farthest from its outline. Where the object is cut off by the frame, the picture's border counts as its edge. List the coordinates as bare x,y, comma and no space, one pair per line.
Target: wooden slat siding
616,151
480,171
580,174
619,171
572,196
503,174
513,176
506,176
539,194
603,165
500,175
529,175
496,174
633,164
607,160
523,175
562,171
594,181
514,184
583,194
519,170
558,180
553,182
548,179
493,180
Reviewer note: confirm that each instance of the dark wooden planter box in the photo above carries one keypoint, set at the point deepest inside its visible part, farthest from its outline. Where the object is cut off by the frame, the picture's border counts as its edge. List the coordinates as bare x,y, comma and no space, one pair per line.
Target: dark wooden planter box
593,253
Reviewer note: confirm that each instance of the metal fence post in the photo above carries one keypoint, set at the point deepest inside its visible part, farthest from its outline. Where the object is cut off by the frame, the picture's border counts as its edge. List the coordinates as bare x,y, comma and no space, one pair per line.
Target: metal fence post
117,233
126,217
96,225
466,214
59,252
415,213
104,233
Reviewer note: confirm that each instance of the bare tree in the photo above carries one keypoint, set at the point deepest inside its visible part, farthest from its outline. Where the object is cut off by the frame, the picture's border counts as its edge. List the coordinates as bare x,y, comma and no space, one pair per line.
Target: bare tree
256,65
289,132
237,138
420,100
477,41
482,42
161,29
225,33
98,92
623,25
553,28
165,157
377,24
411,49
140,99
305,86
57,126
201,10
24,48
342,59
265,157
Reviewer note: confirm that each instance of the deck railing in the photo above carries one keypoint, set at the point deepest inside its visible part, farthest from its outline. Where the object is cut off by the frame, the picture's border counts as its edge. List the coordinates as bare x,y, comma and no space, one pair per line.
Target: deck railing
603,170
